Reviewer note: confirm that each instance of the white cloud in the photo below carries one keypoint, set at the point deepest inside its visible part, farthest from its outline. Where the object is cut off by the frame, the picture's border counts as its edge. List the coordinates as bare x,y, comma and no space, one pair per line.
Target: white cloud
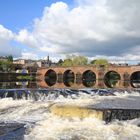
104,28
27,38
6,36
98,27
117,59
29,55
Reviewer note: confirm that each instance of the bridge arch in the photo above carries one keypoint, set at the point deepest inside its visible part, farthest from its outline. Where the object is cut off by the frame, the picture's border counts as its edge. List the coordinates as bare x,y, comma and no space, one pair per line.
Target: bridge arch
135,79
50,77
112,78
88,78
68,78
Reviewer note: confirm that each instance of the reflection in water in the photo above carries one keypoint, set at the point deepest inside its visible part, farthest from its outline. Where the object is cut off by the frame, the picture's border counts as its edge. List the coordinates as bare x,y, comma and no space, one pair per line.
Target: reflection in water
68,78
112,79
50,77
21,84
60,78
135,79
88,78
78,78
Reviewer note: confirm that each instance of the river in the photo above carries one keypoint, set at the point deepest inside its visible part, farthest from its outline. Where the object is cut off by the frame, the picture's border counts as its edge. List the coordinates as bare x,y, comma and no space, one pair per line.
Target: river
28,111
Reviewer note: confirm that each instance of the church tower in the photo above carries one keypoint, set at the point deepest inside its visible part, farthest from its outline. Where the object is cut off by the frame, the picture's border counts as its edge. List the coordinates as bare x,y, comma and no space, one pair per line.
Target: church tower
48,59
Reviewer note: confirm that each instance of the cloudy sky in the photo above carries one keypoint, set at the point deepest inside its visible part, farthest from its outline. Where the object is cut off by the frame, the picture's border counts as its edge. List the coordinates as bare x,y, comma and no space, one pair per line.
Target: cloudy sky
93,28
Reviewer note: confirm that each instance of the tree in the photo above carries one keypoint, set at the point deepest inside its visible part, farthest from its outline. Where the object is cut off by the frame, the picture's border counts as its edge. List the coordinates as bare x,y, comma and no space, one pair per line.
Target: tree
79,60
5,66
100,62
60,62
1,65
93,62
73,60
10,58
67,63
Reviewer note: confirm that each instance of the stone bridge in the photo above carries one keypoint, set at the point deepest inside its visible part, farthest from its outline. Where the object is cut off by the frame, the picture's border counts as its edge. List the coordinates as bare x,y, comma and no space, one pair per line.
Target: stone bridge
90,76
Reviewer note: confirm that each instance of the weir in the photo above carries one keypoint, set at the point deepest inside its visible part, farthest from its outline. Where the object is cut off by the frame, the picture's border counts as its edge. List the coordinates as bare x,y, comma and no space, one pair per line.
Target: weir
73,111
105,114
103,105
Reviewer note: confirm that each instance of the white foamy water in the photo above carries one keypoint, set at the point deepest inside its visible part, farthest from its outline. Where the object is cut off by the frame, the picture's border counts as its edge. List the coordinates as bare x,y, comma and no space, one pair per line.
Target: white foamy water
43,125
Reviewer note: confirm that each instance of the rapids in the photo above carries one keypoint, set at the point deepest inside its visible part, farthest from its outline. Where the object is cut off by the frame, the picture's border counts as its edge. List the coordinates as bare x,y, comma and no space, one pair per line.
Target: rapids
33,110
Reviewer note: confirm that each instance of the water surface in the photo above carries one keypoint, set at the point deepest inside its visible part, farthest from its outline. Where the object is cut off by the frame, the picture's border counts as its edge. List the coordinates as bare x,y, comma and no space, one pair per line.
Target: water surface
32,108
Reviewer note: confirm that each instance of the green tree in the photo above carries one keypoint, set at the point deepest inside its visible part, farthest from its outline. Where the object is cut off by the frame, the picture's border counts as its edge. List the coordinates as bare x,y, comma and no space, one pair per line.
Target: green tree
67,63
10,58
80,60
100,62
73,60
6,66
60,62
0,65
93,62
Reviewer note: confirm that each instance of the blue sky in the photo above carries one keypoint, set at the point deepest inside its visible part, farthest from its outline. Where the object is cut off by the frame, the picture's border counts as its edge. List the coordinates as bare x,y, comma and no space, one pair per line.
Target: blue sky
93,28
18,14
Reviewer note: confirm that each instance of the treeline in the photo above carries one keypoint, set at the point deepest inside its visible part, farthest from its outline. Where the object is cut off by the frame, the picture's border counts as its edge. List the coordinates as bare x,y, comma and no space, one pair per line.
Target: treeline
73,60
6,65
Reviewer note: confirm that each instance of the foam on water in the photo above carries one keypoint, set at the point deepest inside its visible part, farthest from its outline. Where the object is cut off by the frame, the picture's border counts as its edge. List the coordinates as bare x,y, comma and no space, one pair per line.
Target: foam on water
55,128
43,125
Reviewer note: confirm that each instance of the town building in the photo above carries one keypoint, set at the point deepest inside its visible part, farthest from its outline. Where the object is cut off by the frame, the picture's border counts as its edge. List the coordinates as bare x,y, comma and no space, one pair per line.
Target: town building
3,58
